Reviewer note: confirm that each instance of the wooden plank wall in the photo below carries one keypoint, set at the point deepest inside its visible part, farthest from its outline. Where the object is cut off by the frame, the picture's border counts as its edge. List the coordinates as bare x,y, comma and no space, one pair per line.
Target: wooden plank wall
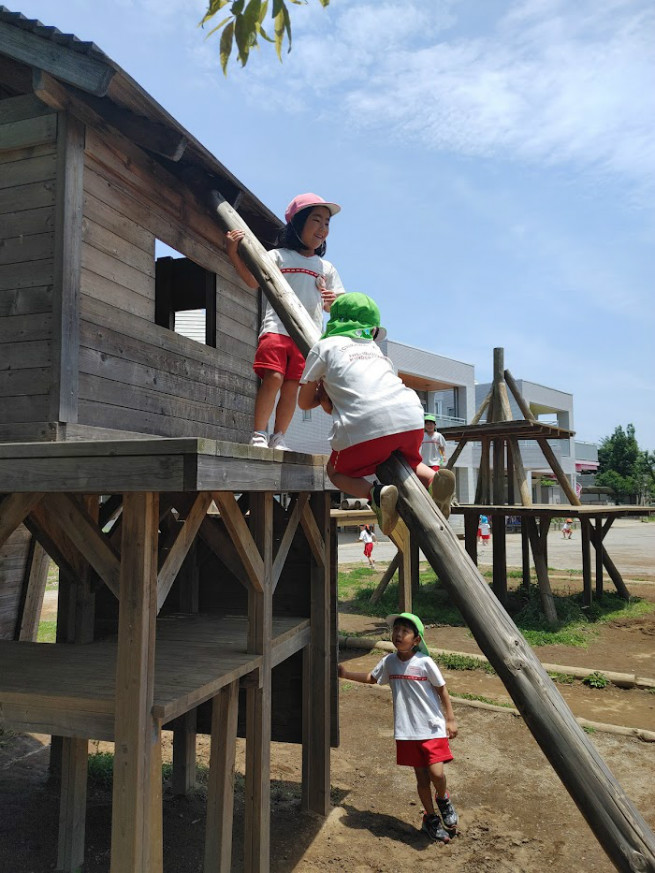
13,560
28,160
134,374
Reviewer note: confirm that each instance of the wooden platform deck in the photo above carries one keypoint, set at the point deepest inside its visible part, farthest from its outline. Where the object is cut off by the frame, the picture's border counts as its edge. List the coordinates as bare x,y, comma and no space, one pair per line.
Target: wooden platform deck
157,464
69,690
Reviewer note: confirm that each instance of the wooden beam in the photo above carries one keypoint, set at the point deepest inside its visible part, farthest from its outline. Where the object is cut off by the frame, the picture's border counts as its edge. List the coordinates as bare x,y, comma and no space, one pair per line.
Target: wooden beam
14,509
257,818
521,476
388,576
560,475
65,346
79,527
617,824
287,538
62,551
101,112
241,537
314,538
181,546
455,455
136,805
522,405
483,407
538,542
316,773
220,784
36,578
72,803
65,63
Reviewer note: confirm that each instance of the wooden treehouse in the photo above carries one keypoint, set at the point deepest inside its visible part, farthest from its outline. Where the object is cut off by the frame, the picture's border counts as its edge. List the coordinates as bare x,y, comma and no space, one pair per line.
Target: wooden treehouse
502,479
197,589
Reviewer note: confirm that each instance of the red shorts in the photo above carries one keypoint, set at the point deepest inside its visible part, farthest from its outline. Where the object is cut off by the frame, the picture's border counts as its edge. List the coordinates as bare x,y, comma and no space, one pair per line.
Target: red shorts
422,753
362,459
278,352
368,549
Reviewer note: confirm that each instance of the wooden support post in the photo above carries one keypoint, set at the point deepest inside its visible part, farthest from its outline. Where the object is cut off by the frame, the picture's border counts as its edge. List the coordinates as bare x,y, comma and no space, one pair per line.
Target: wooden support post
499,552
136,807
257,818
586,561
618,826
538,541
184,754
499,495
72,805
560,475
521,476
388,576
220,787
599,557
413,567
471,523
316,796
36,578
609,565
525,554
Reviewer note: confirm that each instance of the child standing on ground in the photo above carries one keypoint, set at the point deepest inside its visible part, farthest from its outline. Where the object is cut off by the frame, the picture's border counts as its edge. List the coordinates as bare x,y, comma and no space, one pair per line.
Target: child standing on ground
567,529
484,530
374,413
423,718
368,538
433,447
315,282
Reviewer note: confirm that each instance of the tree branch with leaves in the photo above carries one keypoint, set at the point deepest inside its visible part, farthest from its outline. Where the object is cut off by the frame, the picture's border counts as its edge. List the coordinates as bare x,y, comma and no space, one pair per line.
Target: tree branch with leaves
244,25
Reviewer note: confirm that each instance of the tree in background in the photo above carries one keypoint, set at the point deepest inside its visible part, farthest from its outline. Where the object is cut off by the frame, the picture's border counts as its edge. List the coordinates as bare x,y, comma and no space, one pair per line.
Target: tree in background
625,468
244,24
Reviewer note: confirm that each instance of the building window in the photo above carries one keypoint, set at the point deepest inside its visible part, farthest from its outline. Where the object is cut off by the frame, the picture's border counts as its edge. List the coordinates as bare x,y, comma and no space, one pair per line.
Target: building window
185,299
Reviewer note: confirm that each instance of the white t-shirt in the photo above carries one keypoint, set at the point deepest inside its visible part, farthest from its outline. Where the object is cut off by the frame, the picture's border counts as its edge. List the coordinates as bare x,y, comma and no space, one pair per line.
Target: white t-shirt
366,536
368,399
485,528
417,711
301,273
433,449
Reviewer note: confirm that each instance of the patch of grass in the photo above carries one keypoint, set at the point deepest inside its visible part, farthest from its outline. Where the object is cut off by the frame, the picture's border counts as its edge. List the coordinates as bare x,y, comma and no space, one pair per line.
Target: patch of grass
52,581
451,661
588,729
100,768
47,632
466,696
596,680
562,678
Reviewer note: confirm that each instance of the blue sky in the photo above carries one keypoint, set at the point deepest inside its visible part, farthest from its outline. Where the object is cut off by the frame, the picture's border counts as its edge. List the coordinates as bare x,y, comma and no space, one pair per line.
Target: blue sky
495,161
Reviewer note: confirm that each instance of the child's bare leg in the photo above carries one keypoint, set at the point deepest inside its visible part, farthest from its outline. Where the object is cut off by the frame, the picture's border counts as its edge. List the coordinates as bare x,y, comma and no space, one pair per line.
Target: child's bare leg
438,778
286,405
265,401
425,474
349,484
424,788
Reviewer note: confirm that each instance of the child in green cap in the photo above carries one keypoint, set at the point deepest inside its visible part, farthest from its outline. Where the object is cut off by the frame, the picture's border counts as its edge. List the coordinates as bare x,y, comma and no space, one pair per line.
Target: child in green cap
374,413
423,718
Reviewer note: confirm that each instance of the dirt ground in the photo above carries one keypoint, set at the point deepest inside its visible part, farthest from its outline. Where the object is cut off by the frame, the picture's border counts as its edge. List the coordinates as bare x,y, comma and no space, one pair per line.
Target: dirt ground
515,816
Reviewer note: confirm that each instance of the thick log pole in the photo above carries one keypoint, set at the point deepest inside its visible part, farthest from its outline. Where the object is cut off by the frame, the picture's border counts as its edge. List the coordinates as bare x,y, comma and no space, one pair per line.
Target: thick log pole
618,826
292,313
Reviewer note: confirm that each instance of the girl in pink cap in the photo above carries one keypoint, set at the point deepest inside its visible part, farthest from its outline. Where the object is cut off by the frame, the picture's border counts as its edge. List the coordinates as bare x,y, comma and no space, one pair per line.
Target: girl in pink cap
315,282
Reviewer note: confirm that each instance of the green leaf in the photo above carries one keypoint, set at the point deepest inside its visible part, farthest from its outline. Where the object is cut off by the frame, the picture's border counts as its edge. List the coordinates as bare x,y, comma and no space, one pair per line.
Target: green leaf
245,29
212,9
218,26
226,46
237,7
264,35
282,26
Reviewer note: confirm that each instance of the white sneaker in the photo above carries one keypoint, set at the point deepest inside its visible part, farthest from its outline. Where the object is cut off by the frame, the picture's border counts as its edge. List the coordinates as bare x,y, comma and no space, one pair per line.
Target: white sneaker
259,439
276,441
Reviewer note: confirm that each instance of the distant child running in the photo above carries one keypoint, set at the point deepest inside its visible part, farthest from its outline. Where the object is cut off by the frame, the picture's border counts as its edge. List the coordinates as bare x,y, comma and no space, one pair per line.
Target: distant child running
433,447
368,538
423,718
567,529
374,413
315,282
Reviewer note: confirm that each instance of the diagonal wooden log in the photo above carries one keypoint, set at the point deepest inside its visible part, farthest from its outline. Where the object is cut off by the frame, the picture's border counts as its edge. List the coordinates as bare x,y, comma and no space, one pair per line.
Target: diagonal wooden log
617,825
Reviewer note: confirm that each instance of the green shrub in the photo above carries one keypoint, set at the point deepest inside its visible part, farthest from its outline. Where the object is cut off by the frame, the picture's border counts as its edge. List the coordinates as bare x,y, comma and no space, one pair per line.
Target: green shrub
596,680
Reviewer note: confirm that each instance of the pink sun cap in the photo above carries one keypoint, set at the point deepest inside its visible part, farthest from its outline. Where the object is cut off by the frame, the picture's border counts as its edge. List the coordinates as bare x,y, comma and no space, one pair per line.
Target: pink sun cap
303,201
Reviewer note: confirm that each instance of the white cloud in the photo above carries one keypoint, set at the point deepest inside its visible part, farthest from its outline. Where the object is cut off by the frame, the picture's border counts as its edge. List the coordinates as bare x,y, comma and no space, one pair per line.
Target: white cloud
550,82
